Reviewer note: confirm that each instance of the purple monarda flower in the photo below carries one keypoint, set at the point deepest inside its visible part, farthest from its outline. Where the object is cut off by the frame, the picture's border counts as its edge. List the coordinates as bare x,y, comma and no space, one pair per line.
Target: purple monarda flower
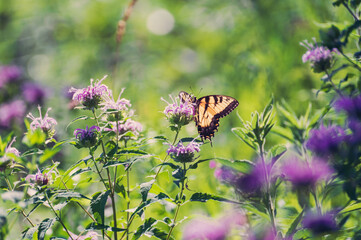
252,183
320,57
110,104
12,112
326,140
87,137
320,224
124,127
183,154
350,105
46,124
305,174
91,96
6,160
40,179
179,114
33,93
8,74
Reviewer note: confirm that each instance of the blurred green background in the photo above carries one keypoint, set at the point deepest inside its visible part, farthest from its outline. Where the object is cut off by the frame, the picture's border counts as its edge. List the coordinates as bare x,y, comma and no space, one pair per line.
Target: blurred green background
248,49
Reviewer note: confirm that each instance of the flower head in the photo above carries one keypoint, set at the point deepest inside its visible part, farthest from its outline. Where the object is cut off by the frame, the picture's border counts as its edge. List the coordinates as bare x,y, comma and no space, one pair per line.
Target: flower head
33,93
91,235
303,174
87,137
350,105
6,160
91,96
129,126
326,140
320,57
111,105
225,174
181,153
179,114
40,179
320,224
8,74
12,112
46,124
252,183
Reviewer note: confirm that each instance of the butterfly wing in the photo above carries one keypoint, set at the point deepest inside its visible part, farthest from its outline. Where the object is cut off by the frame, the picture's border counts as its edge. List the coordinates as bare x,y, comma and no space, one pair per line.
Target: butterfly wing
209,110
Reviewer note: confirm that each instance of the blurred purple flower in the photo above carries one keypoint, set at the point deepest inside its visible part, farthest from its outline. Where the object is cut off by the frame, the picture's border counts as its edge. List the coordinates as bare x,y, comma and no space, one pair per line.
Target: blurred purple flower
320,57
40,179
355,126
252,183
109,103
90,96
350,105
13,111
8,73
213,229
91,235
225,174
46,124
34,93
181,153
87,137
179,114
303,174
320,224
128,126
6,160
326,140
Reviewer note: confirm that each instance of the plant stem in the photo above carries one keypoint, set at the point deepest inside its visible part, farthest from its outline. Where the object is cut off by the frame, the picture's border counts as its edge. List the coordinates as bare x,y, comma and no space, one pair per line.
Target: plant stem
268,188
350,11
96,167
333,84
57,216
179,203
354,64
22,211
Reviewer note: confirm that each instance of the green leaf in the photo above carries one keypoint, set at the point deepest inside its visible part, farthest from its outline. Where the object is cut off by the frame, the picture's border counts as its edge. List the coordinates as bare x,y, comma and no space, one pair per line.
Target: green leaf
147,225
244,137
96,226
3,227
44,226
145,188
97,205
28,233
337,3
149,201
277,152
80,171
204,197
160,234
294,225
243,166
67,194
195,165
351,208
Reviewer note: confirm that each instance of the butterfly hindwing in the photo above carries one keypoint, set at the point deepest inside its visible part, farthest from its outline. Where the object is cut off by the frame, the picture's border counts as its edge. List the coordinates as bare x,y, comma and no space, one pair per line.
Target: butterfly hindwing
209,110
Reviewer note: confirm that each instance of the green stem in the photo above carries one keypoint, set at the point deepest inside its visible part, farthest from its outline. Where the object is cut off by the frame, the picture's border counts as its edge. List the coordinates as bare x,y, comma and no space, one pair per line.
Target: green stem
96,167
333,84
179,203
354,64
350,11
22,211
317,202
271,208
57,216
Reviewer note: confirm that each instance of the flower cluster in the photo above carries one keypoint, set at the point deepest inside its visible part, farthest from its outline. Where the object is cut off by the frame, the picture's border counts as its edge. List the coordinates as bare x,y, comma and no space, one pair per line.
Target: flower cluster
320,224
8,74
46,124
306,174
320,57
12,112
111,106
179,114
39,179
6,160
326,140
350,105
87,137
183,154
129,126
91,96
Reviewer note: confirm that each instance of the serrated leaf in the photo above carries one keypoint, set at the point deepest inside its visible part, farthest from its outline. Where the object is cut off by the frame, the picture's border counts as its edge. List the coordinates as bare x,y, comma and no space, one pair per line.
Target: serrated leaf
145,188
204,197
97,205
44,226
243,166
142,229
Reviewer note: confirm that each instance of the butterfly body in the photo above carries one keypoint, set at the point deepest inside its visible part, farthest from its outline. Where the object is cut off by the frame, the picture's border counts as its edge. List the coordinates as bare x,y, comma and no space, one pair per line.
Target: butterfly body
209,109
